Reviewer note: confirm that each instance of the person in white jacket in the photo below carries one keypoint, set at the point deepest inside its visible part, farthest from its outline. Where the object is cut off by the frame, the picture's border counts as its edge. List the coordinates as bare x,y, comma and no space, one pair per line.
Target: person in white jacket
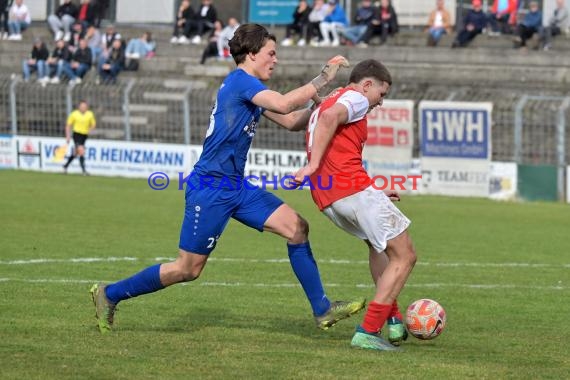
557,24
225,36
318,13
19,19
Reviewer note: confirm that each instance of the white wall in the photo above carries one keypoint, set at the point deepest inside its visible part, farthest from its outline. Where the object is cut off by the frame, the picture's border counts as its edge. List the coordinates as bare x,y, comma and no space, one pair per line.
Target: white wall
38,9
145,11
416,12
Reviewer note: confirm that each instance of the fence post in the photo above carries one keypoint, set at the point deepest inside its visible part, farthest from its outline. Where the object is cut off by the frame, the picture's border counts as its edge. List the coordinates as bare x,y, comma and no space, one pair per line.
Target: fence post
68,99
518,128
186,105
561,147
126,108
13,113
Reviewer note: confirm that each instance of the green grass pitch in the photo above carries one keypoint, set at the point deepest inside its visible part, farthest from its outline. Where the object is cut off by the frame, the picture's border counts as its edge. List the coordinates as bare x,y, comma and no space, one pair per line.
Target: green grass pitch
501,271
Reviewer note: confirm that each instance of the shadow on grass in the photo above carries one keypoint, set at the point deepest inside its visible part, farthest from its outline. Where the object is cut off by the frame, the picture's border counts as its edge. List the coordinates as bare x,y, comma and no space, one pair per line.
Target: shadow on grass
201,318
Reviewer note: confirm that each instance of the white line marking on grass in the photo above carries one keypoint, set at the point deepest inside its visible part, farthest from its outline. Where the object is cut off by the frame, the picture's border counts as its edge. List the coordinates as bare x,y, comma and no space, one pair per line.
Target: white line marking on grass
295,285
49,280
81,260
74,260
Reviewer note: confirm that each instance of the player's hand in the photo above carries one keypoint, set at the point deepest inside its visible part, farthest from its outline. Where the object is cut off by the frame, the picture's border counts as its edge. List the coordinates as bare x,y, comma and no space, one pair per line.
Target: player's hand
393,195
317,100
329,71
333,65
301,175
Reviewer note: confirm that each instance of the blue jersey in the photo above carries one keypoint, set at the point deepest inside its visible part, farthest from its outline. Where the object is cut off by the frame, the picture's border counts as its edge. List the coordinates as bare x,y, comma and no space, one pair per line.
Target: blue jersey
228,139
232,126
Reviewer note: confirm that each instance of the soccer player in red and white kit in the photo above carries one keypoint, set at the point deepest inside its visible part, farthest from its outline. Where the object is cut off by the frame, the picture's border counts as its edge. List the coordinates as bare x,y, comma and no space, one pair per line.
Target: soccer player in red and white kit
336,135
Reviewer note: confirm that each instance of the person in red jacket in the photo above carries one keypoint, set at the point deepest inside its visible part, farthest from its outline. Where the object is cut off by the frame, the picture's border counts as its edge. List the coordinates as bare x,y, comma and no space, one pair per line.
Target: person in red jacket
503,13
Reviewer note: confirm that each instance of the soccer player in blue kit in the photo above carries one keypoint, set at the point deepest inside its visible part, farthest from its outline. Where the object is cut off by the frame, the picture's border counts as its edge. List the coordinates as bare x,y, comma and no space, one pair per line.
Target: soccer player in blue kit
241,100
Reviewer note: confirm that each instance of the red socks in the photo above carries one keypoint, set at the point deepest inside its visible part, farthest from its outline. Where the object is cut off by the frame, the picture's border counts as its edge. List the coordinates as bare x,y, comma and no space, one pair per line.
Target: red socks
395,312
376,316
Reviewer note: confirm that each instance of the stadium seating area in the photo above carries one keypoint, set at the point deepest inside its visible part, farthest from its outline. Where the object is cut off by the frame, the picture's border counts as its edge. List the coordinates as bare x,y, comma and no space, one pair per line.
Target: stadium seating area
487,60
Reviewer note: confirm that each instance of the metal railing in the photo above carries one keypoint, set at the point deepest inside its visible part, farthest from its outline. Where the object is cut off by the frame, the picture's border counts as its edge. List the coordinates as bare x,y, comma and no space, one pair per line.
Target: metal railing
527,128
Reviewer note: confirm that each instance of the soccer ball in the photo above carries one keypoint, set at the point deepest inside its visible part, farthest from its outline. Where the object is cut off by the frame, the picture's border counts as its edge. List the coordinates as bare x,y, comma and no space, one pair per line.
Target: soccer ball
425,319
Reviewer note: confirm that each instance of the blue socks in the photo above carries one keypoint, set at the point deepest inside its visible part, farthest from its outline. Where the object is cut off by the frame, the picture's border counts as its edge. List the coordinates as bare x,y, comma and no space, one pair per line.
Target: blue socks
300,257
144,282
305,268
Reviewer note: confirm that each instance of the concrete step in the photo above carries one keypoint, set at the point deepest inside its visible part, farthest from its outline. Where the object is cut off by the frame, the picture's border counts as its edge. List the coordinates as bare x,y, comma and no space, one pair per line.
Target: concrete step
406,46
184,84
134,120
213,70
108,133
163,96
163,33
150,108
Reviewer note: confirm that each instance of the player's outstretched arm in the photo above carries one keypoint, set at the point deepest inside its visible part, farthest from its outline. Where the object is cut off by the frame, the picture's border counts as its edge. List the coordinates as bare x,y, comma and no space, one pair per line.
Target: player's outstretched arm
285,103
293,121
297,120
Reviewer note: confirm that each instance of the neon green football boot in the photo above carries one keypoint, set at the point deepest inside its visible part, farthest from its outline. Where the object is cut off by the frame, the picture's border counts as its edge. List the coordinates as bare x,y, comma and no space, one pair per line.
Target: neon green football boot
104,309
337,311
365,340
396,331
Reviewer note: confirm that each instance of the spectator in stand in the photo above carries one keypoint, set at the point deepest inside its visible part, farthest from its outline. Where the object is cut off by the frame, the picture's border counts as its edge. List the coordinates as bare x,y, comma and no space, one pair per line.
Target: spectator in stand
335,20
113,64
139,48
87,15
557,24
530,25
318,14
473,23
37,61
384,24
110,35
80,63
363,17
211,49
142,47
299,24
225,37
184,17
60,55
4,10
101,7
503,13
60,23
18,20
94,41
77,33
219,45
439,23
206,16
107,40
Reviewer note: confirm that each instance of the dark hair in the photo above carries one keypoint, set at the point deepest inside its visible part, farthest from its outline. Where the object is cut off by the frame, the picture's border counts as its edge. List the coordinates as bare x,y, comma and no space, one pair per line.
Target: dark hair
370,68
248,38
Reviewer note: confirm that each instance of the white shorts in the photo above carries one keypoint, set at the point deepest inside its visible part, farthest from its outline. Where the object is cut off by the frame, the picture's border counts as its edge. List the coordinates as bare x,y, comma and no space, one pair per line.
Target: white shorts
369,215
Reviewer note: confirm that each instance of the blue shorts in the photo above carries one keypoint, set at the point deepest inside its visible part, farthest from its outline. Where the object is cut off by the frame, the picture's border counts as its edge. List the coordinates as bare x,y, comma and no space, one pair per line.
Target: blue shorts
208,211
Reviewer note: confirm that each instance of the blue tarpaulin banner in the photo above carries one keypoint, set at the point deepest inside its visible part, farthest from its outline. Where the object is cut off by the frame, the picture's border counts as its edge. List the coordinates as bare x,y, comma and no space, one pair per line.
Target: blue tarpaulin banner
272,11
